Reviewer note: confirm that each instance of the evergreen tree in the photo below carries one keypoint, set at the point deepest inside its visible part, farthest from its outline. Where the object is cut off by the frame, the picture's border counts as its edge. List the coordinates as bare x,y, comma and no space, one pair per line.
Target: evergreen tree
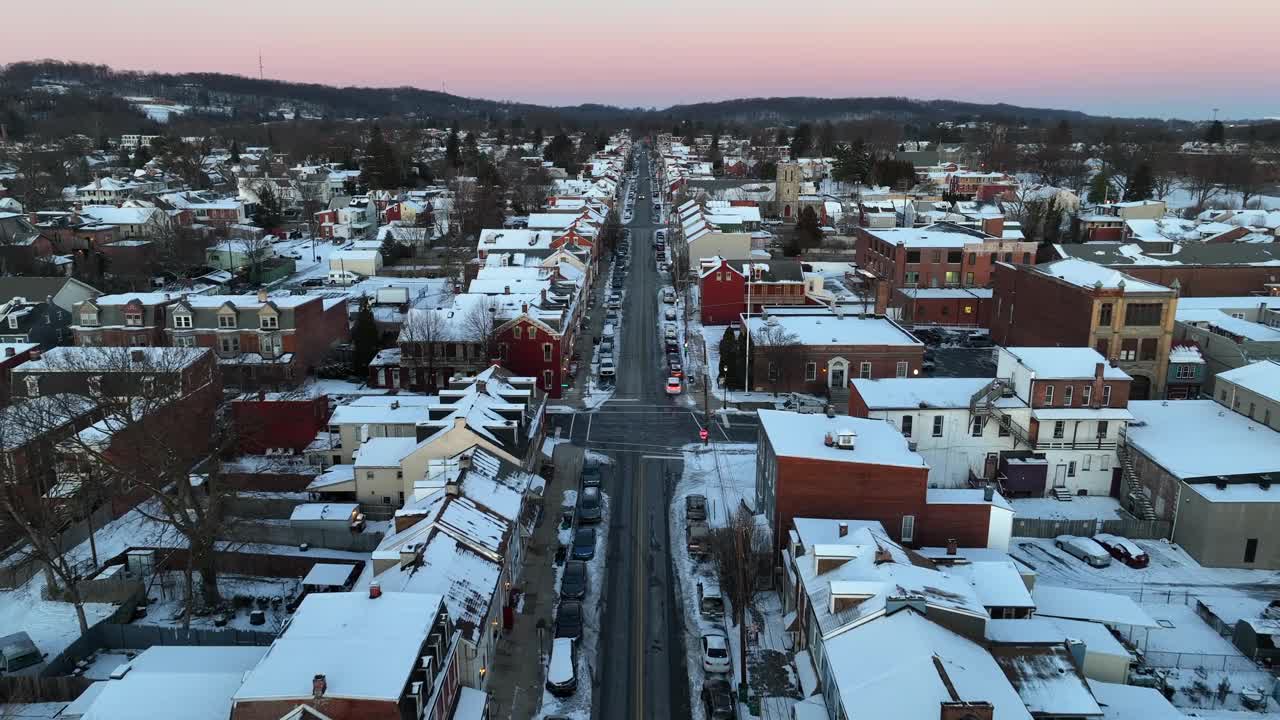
270,211
806,234
1216,134
560,152
453,150
1100,188
381,169
1141,184
853,164
235,152
782,138
731,359
802,141
713,154
141,156
364,339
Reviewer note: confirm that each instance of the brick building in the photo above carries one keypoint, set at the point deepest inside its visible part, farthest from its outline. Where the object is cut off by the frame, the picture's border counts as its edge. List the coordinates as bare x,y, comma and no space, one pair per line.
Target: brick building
274,420
1194,269
1075,303
940,255
829,466
132,319
963,307
723,287
817,350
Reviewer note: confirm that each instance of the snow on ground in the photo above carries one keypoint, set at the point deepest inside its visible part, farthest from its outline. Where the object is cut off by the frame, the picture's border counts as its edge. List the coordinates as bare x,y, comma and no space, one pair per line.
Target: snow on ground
1079,508
168,592
725,475
578,705
600,391
711,336
52,625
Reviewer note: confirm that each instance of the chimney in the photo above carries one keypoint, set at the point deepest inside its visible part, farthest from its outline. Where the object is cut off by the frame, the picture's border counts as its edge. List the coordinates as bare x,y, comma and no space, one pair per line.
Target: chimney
137,355
882,297
506,289
1095,398
844,529
395,404
375,592
952,546
544,296
262,295
831,410
883,556
8,352
960,710
988,492
318,686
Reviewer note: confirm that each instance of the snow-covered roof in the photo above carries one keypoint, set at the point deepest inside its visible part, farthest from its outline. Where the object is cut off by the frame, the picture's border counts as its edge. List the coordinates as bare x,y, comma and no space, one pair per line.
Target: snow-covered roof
1100,607
1132,702
804,435
1185,354
1065,363
905,666
115,359
938,235
178,682
1261,377
502,240
467,580
826,328
384,452
1081,413
914,393
1047,680
328,575
1174,435
947,293
965,496
111,215
323,511
365,647
1088,275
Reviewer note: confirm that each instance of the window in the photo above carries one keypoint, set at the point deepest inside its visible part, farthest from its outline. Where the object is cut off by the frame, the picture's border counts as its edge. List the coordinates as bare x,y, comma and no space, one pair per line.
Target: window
1143,314
864,371
88,317
1147,349
33,386
906,424
132,318
546,379
1185,372
138,340
229,344
1104,462
1086,394
13,322
1104,314
1004,426
913,256
1059,429
911,278
184,341
269,322
1085,461
973,258
953,277
1128,349
1071,469
269,345
937,256
1048,394
1026,258
1008,257
226,320
386,499
1106,396
1250,547
1266,416
901,369
955,256
937,426
182,322
968,280
1102,429
909,530
978,423
811,371
1252,407
1103,346
148,384
546,352
533,333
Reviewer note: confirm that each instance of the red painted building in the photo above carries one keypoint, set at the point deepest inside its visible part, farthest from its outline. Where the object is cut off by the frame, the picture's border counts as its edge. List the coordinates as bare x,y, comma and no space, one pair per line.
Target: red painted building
940,255
272,420
823,466
723,287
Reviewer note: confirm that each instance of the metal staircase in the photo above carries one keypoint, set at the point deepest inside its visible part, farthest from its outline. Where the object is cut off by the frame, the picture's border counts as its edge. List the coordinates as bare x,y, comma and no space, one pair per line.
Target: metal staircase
984,402
1139,503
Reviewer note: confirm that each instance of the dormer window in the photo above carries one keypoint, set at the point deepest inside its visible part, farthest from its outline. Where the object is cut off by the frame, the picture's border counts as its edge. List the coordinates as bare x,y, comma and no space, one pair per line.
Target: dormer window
133,319
226,320
13,322
88,317
182,321
269,322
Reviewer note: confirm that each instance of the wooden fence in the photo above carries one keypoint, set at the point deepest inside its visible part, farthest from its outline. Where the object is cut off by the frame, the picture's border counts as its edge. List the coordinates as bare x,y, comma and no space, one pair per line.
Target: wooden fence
1124,527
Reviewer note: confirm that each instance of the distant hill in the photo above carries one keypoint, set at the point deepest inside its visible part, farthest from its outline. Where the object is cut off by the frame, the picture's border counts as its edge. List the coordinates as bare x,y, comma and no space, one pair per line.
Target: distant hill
245,97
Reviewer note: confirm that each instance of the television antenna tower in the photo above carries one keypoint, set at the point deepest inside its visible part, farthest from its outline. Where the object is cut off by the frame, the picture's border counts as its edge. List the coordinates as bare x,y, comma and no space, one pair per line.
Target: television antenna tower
260,75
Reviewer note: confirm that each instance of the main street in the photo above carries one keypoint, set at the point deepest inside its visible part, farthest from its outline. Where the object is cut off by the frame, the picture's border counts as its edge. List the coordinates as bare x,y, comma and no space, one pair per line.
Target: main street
640,670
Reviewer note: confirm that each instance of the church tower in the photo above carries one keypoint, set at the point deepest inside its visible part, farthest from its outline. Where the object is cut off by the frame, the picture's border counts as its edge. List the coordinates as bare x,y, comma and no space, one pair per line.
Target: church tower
788,192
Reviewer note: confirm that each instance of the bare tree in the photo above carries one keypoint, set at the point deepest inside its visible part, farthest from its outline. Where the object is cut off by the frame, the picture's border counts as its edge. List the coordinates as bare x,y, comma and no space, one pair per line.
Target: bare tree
740,553
775,344
420,340
481,322
1244,175
1204,178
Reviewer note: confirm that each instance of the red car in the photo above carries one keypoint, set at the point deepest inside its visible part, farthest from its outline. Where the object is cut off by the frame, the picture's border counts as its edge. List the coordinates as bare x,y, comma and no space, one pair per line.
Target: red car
1123,549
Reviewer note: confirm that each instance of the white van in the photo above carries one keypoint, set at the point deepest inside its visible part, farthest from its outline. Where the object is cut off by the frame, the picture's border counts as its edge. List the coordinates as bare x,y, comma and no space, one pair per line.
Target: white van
343,277
562,674
607,332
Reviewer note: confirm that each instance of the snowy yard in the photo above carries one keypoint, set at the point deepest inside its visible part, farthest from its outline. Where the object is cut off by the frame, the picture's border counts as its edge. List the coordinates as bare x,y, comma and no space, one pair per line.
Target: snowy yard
725,475
1079,508
52,625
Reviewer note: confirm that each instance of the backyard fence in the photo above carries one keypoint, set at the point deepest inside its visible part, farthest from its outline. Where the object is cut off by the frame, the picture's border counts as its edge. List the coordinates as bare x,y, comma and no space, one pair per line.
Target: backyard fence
1201,661
116,636
23,689
1124,527
281,534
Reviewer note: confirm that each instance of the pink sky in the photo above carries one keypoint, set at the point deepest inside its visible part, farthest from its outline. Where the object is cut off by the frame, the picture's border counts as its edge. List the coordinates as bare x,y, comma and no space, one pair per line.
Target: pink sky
1132,57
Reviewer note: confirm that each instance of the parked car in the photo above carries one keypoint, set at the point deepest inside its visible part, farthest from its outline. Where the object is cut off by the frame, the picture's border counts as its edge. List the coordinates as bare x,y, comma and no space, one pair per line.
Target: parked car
695,507
20,656
562,673
1123,549
607,369
669,331
590,474
569,619
573,583
668,296
697,538
674,386
670,346
674,368
584,543
1084,549
718,700
669,314
589,505
312,282
803,404
715,653
710,601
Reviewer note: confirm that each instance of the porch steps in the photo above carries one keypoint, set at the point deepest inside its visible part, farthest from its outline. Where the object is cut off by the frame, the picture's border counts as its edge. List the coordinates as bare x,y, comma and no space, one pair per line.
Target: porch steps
1061,493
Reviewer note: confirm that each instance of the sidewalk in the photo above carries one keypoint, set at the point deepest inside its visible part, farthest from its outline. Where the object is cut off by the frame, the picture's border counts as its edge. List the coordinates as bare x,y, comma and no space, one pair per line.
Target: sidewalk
576,395
517,675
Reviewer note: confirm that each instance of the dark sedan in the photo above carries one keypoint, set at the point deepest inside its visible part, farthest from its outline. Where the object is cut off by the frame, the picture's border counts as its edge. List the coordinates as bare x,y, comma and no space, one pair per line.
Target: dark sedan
569,619
573,583
584,543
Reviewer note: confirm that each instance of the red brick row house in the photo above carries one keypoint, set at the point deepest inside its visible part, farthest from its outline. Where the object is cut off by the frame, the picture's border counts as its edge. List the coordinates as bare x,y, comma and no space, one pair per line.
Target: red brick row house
724,289
940,255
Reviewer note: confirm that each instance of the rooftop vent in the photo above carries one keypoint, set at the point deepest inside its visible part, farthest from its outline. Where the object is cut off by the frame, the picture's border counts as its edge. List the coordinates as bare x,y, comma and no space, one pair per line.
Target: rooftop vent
846,439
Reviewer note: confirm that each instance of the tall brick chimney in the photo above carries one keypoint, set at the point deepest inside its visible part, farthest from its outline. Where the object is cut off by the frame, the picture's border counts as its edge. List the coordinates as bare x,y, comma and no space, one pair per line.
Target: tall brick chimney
318,686
1095,399
882,296
958,710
